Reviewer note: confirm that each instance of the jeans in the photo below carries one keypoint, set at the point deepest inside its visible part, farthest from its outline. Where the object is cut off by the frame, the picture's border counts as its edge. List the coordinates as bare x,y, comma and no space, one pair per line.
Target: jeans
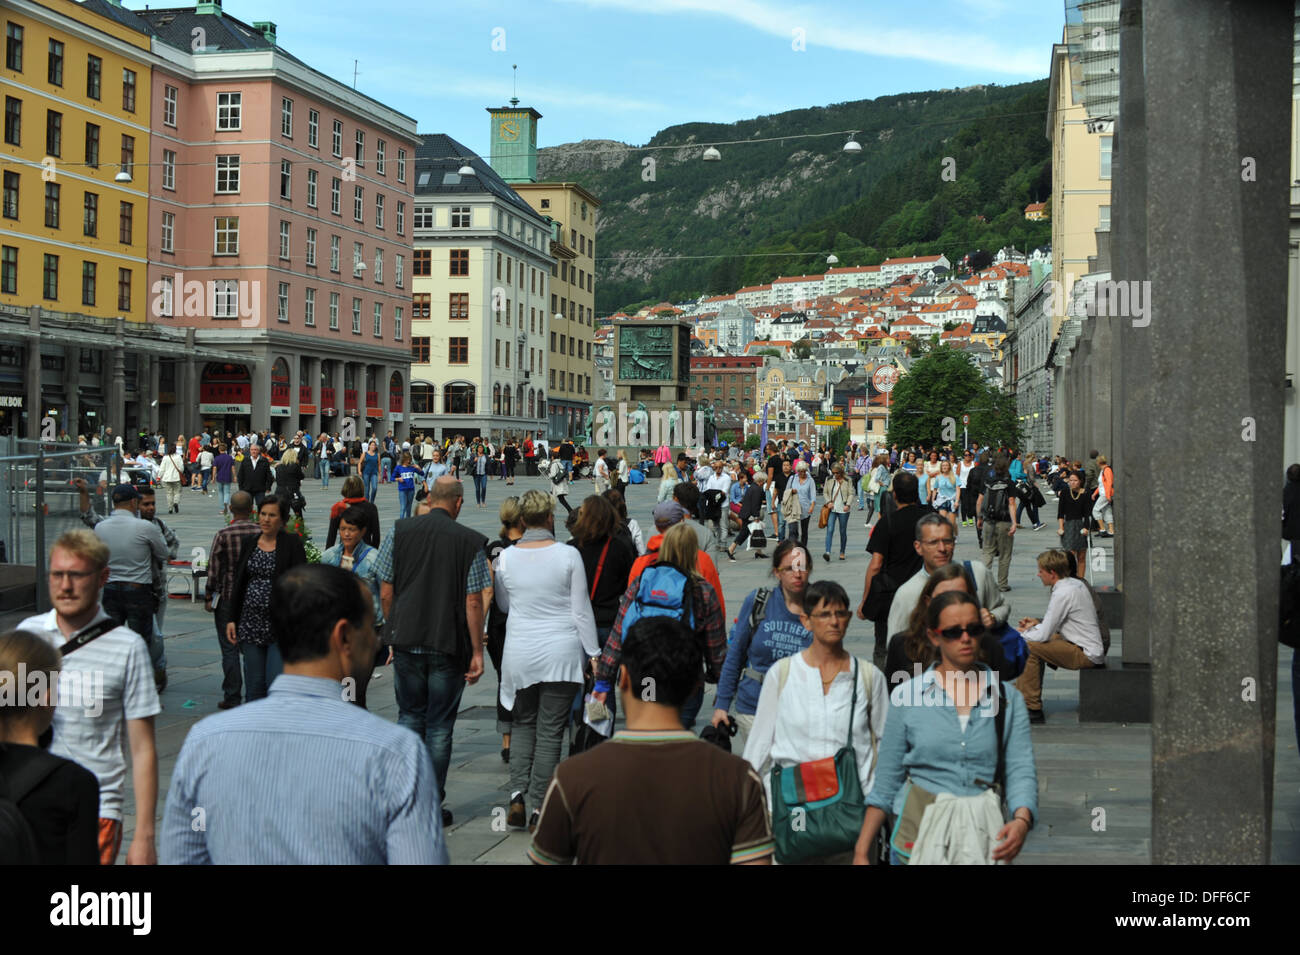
405,495
541,713
131,607
385,468
207,475
428,687
863,495
1029,510
157,651
323,470
691,708
480,488
223,492
261,666
371,481
232,682
843,521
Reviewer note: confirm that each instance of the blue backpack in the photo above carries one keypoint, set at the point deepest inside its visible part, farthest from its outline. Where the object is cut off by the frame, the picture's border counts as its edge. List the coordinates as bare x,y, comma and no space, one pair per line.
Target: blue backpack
662,591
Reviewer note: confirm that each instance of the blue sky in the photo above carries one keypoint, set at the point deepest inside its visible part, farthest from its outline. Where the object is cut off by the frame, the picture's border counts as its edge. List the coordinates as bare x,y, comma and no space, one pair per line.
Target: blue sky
624,69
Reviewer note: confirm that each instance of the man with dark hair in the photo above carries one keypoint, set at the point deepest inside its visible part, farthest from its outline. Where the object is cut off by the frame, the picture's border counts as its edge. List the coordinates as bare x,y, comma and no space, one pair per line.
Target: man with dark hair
223,559
996,506
303,777
656,794
893,554
434,612
255,475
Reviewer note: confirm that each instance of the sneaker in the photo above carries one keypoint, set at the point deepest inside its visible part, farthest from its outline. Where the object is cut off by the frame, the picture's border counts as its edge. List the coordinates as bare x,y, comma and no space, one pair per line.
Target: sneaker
731,557
1003,587
826,557
517,816
534,819
1037,716
227,704
1039,526
446,818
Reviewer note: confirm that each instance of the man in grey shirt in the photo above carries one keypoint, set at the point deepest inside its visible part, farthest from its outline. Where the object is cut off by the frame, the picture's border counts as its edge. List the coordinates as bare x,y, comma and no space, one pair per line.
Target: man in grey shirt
133,546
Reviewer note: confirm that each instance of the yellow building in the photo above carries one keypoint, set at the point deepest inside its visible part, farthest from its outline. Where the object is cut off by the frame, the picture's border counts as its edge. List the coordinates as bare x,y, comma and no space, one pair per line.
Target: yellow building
1081,153
77,98
802,380
571,369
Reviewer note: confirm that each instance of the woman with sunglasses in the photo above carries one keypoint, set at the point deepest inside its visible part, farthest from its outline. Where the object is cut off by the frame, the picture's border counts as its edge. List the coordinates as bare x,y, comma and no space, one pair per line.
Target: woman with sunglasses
941,738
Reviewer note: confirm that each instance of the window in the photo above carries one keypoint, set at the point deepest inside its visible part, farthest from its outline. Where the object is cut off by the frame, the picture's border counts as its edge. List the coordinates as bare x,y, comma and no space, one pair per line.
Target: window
458,399
458,306
552,341
94,68
128,90
379,211
358,260
286,117
313,128
169,106
227,174
286,179
457,351
379,156
50,285
361,148
420,305
423,217
358,203
334,311
9,270
88,283
229,110
311,246
337,142
284,240
90,220
282,303
459,262
53,133
397,323
379,265
1103,218
334,253
420,349
225,298
54,68
356,316
312,179
125,222
460,217
128,154
13,121
401,218
399,269
546,203
379,320
169,169
14,47
51,205
1105,157
168,231
420,263
92,145
309,307
334,196
498,266
509,263
401,165
496,359
124,289
227,235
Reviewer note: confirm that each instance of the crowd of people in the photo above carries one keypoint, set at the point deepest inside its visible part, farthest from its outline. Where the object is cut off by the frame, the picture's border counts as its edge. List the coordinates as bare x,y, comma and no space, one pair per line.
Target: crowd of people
611,623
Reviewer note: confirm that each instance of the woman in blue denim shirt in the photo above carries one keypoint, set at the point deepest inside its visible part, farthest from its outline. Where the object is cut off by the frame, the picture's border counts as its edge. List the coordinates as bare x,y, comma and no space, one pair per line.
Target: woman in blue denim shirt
354,554
933,739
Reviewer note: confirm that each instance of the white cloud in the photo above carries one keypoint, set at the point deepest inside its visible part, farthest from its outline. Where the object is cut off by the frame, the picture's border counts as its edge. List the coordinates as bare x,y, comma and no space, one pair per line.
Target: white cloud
853,34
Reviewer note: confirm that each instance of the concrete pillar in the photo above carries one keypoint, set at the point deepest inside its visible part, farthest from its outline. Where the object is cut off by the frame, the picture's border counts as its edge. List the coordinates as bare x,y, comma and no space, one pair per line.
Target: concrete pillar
155,387
116,403
72,378
190,416
32,377
260,403
1218,96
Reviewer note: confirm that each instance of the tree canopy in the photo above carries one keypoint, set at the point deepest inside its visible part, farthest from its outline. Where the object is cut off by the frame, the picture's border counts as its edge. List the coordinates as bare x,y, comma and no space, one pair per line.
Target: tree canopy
927,404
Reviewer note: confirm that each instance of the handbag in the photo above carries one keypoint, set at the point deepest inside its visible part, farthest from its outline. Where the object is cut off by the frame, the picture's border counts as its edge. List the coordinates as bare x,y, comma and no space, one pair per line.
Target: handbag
818,806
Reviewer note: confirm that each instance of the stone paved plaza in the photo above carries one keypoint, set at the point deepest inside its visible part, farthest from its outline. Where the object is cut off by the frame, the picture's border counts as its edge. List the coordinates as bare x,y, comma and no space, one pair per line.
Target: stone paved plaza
1081,768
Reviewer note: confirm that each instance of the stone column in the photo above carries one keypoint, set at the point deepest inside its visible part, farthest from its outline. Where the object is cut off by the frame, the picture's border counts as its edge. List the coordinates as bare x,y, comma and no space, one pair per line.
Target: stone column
259,408
155,388
1218,97
189,391
32,377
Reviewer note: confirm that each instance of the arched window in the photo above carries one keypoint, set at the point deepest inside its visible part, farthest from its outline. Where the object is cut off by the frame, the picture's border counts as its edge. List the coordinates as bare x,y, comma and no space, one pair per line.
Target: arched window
422,398
496,399
505,401
532,403
519,401
458,398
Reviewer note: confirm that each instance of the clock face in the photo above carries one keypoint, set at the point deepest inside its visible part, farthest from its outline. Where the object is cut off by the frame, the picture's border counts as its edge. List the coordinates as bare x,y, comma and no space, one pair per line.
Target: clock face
510,130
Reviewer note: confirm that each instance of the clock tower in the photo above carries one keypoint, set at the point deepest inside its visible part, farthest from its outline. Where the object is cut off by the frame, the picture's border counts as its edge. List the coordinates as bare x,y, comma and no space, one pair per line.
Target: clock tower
514,142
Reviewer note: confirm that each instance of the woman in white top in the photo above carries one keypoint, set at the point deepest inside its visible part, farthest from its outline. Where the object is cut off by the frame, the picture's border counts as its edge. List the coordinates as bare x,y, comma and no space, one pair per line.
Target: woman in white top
621,478
550,637
804,708
600,472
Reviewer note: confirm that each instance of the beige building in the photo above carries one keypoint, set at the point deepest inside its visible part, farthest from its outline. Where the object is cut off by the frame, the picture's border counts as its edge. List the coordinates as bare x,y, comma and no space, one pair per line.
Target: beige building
571,370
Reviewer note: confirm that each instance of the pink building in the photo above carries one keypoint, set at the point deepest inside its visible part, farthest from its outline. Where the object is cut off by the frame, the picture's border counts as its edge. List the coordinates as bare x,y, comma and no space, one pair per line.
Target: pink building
280,229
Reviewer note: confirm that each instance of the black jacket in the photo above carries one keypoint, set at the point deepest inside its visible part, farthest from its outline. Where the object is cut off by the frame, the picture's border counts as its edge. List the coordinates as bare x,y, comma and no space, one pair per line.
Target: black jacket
1291,511
289,552
752,504
255,479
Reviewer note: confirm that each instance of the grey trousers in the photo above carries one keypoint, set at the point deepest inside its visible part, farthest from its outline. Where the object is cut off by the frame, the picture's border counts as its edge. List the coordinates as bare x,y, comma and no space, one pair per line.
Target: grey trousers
541,713
997,543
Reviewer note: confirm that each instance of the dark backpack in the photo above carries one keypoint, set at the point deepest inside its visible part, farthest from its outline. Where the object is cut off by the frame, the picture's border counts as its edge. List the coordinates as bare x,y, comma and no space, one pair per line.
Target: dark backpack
1288,633
997,494
18,837
662,591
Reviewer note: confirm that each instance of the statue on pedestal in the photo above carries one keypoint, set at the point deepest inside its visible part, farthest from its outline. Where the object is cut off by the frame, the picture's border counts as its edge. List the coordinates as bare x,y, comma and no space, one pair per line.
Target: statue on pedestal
674,424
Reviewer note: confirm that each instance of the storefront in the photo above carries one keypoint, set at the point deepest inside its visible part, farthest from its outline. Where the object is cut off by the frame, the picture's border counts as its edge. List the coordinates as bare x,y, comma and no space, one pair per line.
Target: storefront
226,398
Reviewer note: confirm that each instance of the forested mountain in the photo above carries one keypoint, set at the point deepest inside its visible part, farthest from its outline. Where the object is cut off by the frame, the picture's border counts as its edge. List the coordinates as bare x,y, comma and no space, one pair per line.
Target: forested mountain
777,206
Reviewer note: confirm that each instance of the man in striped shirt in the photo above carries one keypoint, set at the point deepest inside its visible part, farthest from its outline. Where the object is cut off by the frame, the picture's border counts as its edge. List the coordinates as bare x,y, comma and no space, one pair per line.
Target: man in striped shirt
655,794
303,777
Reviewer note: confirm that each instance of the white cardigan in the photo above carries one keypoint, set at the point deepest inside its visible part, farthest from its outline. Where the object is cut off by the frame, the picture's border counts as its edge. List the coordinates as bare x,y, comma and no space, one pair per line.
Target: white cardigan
551,632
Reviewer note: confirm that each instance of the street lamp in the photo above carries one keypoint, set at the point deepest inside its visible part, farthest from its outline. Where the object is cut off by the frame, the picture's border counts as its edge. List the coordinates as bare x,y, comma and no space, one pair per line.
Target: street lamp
122,176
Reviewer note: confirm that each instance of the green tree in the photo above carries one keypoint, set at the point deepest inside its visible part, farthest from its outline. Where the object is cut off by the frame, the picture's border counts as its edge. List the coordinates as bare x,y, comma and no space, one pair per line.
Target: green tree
751,442
770,353
928,402
802,350
839,439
